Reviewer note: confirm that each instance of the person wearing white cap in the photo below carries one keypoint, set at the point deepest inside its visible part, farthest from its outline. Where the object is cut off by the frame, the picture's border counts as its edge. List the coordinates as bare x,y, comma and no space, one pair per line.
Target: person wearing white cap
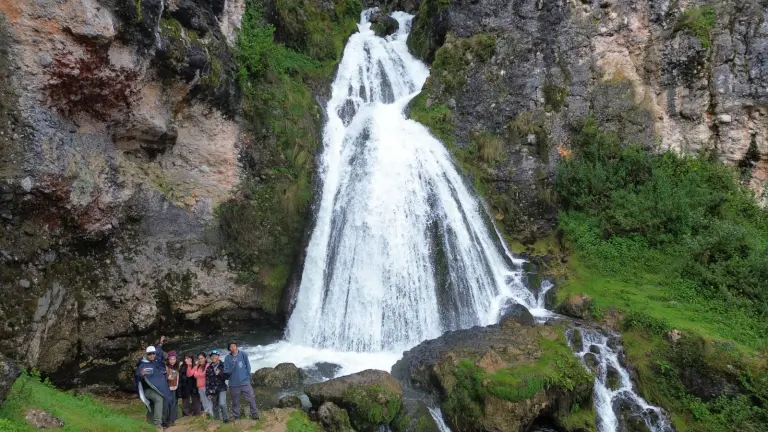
151,384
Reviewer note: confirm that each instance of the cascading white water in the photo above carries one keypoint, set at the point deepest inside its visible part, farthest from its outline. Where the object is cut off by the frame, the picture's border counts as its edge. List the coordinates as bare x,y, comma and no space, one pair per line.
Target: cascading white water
402,251
604,360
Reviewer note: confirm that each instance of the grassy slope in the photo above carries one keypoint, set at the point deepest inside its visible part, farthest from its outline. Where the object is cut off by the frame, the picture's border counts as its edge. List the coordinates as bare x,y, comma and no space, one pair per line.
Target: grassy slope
663,242
92,414
79,413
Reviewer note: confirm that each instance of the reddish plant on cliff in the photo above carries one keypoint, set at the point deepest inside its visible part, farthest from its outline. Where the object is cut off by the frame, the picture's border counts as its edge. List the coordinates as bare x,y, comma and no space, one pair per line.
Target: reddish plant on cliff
89,83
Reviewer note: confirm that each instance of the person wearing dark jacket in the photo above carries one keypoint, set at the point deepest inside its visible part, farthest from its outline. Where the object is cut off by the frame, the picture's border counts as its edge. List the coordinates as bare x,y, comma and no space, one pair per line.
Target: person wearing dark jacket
151,384
187,392
237,365
216,387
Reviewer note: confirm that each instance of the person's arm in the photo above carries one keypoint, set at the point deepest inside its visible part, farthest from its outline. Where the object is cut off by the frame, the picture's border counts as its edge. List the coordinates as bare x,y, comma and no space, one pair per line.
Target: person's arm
190,371
247,364
229,363
159,348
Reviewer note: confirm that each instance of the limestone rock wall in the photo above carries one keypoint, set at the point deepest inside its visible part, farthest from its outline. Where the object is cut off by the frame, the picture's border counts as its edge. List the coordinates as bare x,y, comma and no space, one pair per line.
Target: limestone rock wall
682,75
119,139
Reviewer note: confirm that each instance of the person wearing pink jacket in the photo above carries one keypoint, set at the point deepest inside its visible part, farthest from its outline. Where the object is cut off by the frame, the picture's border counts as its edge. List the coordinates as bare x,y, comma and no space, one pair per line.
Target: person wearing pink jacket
198,371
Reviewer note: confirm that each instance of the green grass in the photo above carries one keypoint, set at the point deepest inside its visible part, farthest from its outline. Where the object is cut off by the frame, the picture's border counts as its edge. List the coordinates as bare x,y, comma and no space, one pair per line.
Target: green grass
663,242
699,20
79,413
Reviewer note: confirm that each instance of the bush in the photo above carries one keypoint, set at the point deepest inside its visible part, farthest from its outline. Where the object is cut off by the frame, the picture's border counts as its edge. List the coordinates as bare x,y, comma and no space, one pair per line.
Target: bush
690,209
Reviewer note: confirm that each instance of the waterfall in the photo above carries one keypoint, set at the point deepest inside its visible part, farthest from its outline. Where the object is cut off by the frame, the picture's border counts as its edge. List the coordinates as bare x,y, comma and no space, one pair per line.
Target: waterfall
402,251
597,354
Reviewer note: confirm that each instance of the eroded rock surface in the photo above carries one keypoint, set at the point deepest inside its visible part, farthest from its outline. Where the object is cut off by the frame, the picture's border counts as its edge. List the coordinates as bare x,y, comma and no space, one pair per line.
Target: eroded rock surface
118,142
511,81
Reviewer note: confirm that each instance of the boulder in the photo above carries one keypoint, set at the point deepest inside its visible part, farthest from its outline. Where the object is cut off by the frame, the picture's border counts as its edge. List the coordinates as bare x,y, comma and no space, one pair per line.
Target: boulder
613,378
42,419
284,375
333,418
475,372
592,361
289,401
383,25
372,398
517,312
576,306
9,371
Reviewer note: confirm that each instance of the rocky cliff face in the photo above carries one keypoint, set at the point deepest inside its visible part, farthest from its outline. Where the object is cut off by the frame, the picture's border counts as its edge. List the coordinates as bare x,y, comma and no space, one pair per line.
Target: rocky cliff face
511,80
118,142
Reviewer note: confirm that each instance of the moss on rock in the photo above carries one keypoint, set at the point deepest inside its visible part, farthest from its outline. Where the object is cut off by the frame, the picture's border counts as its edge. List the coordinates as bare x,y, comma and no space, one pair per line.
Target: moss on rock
372,398
429,28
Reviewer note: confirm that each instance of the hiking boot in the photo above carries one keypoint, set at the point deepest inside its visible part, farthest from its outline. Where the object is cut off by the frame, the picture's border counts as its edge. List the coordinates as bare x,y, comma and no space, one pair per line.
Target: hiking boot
226,420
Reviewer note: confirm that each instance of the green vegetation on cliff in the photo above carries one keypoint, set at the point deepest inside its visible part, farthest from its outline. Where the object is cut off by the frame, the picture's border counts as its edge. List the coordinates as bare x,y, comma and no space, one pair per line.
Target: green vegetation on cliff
263,228
673,242
700,21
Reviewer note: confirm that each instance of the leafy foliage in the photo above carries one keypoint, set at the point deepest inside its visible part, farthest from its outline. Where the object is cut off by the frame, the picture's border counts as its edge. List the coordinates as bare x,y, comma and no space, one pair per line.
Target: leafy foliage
674,242
689,210
262,228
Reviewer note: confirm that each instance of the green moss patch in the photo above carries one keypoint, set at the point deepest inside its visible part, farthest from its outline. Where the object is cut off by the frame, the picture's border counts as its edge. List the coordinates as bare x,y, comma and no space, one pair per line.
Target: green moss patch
425,38
299,422
556,369
700,21
371,406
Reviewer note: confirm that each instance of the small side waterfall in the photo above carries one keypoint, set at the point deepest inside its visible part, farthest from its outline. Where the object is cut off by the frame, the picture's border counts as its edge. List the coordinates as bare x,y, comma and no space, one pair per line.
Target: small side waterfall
613,392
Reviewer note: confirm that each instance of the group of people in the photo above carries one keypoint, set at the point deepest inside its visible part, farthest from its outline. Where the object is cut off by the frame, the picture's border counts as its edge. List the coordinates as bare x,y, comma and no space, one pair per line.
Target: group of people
201,384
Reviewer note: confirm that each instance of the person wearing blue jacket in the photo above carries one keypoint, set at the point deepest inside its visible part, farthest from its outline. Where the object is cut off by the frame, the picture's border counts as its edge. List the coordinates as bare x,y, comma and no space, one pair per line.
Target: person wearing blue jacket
151,384
237,365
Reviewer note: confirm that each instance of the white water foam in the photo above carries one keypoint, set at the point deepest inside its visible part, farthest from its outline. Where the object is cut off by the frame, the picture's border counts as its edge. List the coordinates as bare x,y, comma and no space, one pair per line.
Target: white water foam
608,401
402,251
437,415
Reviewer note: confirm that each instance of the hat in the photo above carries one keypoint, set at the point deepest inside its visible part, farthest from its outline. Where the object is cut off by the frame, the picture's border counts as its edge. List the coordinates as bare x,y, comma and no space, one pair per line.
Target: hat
214,352
151,350
171,354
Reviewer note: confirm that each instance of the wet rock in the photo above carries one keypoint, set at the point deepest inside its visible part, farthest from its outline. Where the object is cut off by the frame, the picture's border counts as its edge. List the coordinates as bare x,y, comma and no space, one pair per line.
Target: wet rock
594,349
576,306
383,25
42,420
592,361
613,342
372,398
576,339
432,366
517,313
333,418
289,401
629,415
284,375
9,371
613,378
